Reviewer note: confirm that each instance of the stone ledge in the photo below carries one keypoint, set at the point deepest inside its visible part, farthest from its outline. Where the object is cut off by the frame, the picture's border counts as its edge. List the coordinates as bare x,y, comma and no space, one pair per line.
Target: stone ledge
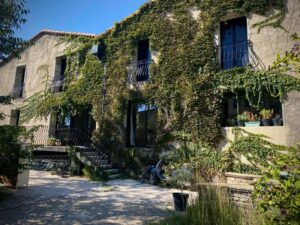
242,176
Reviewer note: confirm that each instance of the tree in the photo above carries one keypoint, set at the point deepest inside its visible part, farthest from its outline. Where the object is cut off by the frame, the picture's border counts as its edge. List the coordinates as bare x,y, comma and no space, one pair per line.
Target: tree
12,14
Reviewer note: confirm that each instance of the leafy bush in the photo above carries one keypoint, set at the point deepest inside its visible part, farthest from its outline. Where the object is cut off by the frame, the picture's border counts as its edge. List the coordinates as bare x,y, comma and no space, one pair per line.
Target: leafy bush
201,159
11,150
277,193
257,151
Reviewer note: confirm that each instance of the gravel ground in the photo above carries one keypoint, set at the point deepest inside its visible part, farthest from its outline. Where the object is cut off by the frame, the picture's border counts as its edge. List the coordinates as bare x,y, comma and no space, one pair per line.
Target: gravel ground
50,199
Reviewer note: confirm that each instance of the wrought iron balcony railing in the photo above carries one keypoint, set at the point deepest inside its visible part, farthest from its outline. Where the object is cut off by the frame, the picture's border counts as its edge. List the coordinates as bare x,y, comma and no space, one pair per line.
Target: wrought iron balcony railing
139,71
17,91
57,84
60,136
234,55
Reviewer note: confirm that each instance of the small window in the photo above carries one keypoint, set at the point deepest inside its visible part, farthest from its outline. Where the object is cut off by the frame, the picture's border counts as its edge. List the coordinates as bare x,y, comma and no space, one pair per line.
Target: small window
19,82
15,118
59,76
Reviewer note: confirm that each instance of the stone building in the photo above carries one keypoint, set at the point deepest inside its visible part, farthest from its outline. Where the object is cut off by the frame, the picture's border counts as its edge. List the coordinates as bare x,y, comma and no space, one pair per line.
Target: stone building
238,43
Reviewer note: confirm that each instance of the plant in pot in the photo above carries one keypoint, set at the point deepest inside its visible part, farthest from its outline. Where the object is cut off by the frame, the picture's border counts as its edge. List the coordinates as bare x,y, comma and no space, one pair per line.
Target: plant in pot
51,141
241,118
266,115
252,120
230,122
180,177
276,120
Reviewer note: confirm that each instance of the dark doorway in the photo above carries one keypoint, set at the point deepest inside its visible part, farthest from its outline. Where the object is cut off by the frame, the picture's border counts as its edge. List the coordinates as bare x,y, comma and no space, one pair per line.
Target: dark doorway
141,125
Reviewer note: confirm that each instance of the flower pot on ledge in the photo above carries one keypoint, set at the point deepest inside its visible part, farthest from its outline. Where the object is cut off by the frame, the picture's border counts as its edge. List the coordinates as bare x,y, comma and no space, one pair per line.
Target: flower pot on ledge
266,122
252,124
180,201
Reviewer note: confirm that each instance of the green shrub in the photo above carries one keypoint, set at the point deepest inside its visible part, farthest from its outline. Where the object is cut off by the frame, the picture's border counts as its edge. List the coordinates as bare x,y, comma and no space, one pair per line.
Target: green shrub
94,174
11,150
255,148
277,193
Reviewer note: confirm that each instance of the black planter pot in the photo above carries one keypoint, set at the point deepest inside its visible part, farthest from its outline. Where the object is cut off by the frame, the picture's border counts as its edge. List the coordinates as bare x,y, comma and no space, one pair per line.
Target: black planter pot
266,122
180,201
276,122
240,123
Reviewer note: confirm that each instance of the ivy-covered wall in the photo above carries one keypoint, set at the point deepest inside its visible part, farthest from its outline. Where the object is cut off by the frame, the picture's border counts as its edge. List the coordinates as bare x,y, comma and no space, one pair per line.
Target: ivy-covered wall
185,78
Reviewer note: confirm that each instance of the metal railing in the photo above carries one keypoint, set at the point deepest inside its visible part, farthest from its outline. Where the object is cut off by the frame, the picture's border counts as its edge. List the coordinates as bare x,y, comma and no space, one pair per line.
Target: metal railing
58,136
57,84
17,91
139,71
234,55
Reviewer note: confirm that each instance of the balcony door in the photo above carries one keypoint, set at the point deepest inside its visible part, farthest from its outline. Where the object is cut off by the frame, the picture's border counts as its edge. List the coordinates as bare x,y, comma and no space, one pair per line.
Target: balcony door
143,60
234,43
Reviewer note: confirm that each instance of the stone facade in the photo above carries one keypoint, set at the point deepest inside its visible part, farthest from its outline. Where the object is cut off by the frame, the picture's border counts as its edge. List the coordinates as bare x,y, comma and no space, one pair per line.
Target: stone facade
265,45
44,51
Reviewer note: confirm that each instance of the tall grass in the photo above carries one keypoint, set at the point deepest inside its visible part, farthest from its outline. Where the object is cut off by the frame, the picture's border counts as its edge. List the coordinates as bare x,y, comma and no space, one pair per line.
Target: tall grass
211,207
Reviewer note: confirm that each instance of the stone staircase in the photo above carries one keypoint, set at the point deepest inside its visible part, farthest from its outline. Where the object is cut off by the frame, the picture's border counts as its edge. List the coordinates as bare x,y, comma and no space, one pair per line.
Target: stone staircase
91,157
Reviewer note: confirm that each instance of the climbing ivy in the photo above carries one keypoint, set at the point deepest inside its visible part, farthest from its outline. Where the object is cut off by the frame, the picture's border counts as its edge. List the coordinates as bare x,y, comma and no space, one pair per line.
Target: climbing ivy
184,81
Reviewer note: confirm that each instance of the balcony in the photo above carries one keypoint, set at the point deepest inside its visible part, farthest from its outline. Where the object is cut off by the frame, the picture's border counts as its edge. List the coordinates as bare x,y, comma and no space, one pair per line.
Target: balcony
57,84
59,136
138,72
17,91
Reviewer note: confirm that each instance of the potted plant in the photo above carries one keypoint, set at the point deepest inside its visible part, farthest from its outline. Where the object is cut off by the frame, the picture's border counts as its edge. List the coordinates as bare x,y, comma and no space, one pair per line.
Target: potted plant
57,142
230,122
180,177
51,141
277,120
266,115
252,120
241,118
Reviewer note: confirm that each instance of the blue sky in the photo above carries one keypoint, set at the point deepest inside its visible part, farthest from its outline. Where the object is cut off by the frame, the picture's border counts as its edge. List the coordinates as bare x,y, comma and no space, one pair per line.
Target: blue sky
88,16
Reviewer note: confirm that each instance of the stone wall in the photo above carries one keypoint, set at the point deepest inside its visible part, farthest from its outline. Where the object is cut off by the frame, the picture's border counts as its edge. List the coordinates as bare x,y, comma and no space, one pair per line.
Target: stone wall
44,51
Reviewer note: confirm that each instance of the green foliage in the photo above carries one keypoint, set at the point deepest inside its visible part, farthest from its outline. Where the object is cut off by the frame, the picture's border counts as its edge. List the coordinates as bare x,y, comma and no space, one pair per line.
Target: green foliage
266,113
277,193
183,81
134,161
12,14
94,174
210,208
4,100
201,160
11,150
256,82
257,151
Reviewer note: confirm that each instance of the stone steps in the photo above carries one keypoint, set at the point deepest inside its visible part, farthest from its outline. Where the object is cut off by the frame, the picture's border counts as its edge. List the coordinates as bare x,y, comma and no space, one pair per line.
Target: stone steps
92,157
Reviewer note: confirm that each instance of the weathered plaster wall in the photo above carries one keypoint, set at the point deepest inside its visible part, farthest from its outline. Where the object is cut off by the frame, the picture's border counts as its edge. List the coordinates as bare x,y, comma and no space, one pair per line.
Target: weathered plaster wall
266,45
276,134
43,52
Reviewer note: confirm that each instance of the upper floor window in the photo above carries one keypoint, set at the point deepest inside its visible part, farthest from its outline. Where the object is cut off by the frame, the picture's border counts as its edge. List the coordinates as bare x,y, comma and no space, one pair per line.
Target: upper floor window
139,70
234,43
19,82
59,76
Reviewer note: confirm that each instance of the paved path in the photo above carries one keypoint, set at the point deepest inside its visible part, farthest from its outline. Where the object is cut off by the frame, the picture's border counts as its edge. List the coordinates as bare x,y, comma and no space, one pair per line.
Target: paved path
50,199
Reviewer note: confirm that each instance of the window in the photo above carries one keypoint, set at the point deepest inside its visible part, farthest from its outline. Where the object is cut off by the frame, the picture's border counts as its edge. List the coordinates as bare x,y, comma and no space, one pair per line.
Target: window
143,60
59,76
15,118
19,82
234,43
238,104
141,124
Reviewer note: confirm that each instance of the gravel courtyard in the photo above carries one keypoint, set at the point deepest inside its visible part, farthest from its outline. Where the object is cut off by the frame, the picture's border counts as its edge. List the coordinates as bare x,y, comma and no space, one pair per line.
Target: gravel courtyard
50,199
